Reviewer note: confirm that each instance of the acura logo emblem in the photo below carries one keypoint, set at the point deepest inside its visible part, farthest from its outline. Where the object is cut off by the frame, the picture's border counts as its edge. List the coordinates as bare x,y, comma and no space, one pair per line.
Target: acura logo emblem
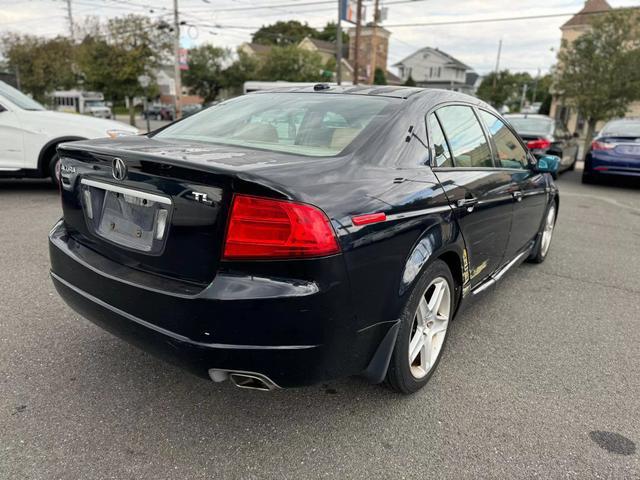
118,169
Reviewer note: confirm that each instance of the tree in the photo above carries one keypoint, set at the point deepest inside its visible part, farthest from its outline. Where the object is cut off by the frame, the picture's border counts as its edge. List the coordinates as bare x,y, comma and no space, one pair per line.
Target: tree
43,65
410,82
379,78
292,64
206,75
128,47
283,33
245,67
505,88
598,72
329,34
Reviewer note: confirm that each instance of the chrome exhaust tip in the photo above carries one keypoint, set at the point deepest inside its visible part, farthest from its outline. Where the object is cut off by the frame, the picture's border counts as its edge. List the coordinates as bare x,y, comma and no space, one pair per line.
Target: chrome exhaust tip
248,380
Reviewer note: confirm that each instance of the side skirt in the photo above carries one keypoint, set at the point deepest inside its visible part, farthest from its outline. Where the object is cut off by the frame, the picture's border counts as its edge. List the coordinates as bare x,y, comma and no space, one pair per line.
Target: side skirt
493,279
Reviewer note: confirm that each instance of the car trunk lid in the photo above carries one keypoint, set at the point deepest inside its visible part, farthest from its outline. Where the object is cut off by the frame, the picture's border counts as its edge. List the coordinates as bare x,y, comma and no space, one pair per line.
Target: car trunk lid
155,213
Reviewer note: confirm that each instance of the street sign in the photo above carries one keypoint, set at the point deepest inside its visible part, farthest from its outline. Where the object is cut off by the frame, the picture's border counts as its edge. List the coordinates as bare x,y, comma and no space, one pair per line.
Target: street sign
348,10
183,59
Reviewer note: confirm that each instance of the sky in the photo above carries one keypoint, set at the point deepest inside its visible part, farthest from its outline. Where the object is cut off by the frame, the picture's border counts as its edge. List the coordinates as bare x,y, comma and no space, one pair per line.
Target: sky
528,45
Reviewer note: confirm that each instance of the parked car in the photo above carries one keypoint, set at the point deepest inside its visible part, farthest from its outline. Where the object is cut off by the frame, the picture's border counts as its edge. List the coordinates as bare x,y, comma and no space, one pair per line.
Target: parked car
29,134
190,109
546,136
152,112
615,151
287,238
167,113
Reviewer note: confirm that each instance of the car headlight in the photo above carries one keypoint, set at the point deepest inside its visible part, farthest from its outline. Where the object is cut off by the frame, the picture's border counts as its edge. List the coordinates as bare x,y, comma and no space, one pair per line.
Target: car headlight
121,133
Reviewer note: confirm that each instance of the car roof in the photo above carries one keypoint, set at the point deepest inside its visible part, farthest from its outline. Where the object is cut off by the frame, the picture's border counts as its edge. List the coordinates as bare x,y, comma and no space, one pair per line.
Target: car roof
429,95
374,90
528,115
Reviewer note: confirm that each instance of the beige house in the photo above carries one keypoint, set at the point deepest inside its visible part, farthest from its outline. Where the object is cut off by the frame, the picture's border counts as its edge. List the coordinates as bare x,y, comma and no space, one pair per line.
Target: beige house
576,26
327,51
370,38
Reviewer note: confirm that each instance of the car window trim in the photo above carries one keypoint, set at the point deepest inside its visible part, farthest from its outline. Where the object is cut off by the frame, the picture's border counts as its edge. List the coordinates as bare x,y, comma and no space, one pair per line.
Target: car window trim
514,133
434,110
446,140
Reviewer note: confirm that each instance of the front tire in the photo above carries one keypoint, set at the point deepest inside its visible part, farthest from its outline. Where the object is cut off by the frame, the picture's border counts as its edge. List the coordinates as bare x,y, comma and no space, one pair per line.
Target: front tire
423,330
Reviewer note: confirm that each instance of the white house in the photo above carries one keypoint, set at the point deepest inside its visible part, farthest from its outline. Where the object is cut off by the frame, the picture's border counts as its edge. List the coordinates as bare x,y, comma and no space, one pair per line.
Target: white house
430,67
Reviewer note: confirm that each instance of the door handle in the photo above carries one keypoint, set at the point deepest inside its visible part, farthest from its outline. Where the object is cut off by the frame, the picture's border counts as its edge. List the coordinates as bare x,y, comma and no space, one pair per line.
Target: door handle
468,203
517,196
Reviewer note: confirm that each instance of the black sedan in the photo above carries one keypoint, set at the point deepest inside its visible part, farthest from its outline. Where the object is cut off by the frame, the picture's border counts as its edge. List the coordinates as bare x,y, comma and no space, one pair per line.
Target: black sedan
546,136
290,237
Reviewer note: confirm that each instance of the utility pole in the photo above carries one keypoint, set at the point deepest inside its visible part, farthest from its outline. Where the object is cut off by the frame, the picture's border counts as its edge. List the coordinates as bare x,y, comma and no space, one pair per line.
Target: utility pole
356,55
176,47
70,15
495,77
535,88
374,43
339,44
524,96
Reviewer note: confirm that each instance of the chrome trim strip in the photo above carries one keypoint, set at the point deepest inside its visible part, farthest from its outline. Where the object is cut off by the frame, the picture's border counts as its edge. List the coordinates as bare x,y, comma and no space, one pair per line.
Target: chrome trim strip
417,213
535,192
169,333
126,191
490,282
501,198
493,279
506,268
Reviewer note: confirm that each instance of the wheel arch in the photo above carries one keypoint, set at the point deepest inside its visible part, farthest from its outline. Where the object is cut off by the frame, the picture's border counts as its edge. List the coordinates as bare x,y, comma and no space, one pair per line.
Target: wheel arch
49,149
425,251
439,241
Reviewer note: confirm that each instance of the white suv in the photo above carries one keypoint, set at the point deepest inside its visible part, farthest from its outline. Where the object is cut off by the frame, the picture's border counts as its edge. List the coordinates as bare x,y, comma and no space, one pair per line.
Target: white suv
29,134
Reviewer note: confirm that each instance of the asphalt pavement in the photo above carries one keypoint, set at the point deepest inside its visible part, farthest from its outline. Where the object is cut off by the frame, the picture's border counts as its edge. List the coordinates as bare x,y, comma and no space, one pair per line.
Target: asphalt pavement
540,379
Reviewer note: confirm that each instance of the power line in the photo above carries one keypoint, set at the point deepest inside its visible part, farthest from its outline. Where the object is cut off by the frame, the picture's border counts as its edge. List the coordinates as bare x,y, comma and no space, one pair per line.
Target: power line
331,3
501,19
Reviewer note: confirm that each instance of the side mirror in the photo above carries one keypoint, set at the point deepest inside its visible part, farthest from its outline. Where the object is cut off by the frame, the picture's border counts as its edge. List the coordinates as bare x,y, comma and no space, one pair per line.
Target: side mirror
2,109
547,164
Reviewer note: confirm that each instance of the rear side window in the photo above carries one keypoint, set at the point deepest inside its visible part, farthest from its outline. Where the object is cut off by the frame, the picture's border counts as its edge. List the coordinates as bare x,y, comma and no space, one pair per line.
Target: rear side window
439,147
467,141
510,152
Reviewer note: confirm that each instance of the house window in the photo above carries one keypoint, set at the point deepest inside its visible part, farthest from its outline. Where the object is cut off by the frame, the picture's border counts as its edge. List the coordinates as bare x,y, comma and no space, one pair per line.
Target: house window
430,72
439,70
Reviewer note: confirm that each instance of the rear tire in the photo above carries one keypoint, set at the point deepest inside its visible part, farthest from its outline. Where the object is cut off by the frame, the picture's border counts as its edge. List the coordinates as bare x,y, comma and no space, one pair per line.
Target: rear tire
54,170
423,330
541,248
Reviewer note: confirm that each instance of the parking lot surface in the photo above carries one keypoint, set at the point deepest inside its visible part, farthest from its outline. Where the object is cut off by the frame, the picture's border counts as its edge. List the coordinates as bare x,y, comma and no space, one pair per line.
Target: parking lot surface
540,377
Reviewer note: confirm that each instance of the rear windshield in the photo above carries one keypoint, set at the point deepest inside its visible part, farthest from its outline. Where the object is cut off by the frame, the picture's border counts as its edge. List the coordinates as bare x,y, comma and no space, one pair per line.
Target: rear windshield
622,128
531,125
299,123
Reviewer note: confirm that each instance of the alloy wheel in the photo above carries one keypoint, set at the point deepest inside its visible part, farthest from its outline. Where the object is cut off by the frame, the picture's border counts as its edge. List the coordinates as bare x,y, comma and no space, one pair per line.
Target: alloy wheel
547,233
429,327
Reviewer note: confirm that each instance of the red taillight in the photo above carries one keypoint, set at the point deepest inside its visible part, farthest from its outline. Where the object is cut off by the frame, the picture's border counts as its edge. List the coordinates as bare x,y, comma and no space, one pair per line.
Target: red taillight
596,145
540,144
262,228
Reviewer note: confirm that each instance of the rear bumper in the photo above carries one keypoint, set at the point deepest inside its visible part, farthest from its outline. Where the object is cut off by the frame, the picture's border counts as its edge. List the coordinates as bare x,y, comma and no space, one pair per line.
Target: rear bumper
610,165
294,332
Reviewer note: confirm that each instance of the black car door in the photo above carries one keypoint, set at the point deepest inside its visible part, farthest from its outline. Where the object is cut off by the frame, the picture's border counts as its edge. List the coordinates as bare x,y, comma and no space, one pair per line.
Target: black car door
463,162
528,187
